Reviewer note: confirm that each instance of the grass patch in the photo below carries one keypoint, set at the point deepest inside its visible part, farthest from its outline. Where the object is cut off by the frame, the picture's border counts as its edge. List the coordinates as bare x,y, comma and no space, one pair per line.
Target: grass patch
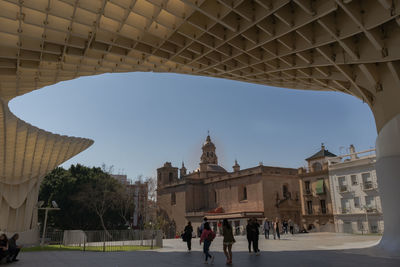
370,234
88,248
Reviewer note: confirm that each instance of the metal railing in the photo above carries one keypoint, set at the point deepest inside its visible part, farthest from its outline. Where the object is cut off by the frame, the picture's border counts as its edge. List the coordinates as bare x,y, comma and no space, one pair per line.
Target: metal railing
369,185
370,153
105,241
307,192
371,209
346,210
344,189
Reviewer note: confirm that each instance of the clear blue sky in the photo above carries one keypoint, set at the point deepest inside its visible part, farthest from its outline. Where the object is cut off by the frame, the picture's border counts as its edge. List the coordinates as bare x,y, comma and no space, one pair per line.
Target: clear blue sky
140,120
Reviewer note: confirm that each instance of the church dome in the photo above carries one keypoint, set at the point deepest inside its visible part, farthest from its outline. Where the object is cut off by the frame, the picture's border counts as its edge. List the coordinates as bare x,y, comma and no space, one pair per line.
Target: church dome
215,168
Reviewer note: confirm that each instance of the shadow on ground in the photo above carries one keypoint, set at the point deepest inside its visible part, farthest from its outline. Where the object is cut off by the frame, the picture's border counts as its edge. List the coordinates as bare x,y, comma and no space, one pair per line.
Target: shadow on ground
176,259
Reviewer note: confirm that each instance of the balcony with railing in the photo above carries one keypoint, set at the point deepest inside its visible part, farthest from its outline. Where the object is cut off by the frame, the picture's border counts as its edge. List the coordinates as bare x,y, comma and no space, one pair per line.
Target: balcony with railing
346,210
308,192
372,209
309,171
343,189
369,185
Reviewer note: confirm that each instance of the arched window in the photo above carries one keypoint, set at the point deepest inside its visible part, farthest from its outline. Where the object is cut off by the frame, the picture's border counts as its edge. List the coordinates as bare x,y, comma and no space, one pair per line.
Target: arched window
173,199
170,177
317,166
285,191
215,196
244,193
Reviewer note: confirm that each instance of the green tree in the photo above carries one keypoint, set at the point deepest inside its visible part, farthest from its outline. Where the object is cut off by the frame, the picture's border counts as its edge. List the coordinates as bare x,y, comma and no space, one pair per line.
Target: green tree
100,196
66,187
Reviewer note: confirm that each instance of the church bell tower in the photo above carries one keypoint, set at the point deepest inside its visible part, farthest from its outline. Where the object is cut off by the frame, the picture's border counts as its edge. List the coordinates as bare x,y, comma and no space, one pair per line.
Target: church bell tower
208,156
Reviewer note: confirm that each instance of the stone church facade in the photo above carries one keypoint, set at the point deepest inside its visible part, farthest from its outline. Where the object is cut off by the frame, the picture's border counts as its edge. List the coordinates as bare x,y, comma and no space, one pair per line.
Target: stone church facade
215,193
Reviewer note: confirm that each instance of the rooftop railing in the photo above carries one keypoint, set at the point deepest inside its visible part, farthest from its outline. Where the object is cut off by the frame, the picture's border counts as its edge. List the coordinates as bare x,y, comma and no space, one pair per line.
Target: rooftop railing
370,153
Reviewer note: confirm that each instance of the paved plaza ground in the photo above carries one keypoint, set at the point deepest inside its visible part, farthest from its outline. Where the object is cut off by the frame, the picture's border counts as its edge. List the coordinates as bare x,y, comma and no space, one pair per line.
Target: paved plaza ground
316,249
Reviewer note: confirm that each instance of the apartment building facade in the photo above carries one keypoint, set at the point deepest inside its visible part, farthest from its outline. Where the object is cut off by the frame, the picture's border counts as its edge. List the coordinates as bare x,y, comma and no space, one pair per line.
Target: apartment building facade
354,193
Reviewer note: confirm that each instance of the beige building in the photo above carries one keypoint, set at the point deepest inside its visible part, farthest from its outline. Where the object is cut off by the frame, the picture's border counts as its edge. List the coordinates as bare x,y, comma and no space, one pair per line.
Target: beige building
213,192
316,203
357,205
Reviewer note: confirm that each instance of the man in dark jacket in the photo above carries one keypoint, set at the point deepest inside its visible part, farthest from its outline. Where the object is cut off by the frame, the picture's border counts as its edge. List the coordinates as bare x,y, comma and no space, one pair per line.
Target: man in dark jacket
255,230
188,235
4,252
249,233
13,248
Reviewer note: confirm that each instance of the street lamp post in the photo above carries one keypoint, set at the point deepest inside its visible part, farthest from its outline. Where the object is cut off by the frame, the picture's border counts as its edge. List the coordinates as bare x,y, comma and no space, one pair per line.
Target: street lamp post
366,219
55,207
152,233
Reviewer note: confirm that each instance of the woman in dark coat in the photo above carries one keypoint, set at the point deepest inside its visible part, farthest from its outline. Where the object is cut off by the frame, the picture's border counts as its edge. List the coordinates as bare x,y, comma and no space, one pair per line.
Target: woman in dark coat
188,235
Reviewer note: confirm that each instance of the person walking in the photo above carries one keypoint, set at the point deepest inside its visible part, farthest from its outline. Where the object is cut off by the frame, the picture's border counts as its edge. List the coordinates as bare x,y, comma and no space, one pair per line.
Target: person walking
255,230
266,228
198,231
219,225
278,234
188,235
207,236
227,232
249,234
273,227
285,227
291,226
202,225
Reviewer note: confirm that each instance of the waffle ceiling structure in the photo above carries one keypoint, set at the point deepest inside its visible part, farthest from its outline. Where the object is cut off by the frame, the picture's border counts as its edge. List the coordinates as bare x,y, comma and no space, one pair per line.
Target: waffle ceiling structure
343,45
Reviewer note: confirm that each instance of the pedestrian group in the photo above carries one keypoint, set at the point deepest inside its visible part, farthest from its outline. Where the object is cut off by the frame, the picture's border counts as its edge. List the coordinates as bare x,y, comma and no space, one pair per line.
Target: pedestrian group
207,235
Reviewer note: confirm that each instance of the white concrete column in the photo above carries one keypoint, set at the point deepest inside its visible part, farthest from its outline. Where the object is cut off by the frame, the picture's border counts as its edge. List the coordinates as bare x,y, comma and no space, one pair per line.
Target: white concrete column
388,176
